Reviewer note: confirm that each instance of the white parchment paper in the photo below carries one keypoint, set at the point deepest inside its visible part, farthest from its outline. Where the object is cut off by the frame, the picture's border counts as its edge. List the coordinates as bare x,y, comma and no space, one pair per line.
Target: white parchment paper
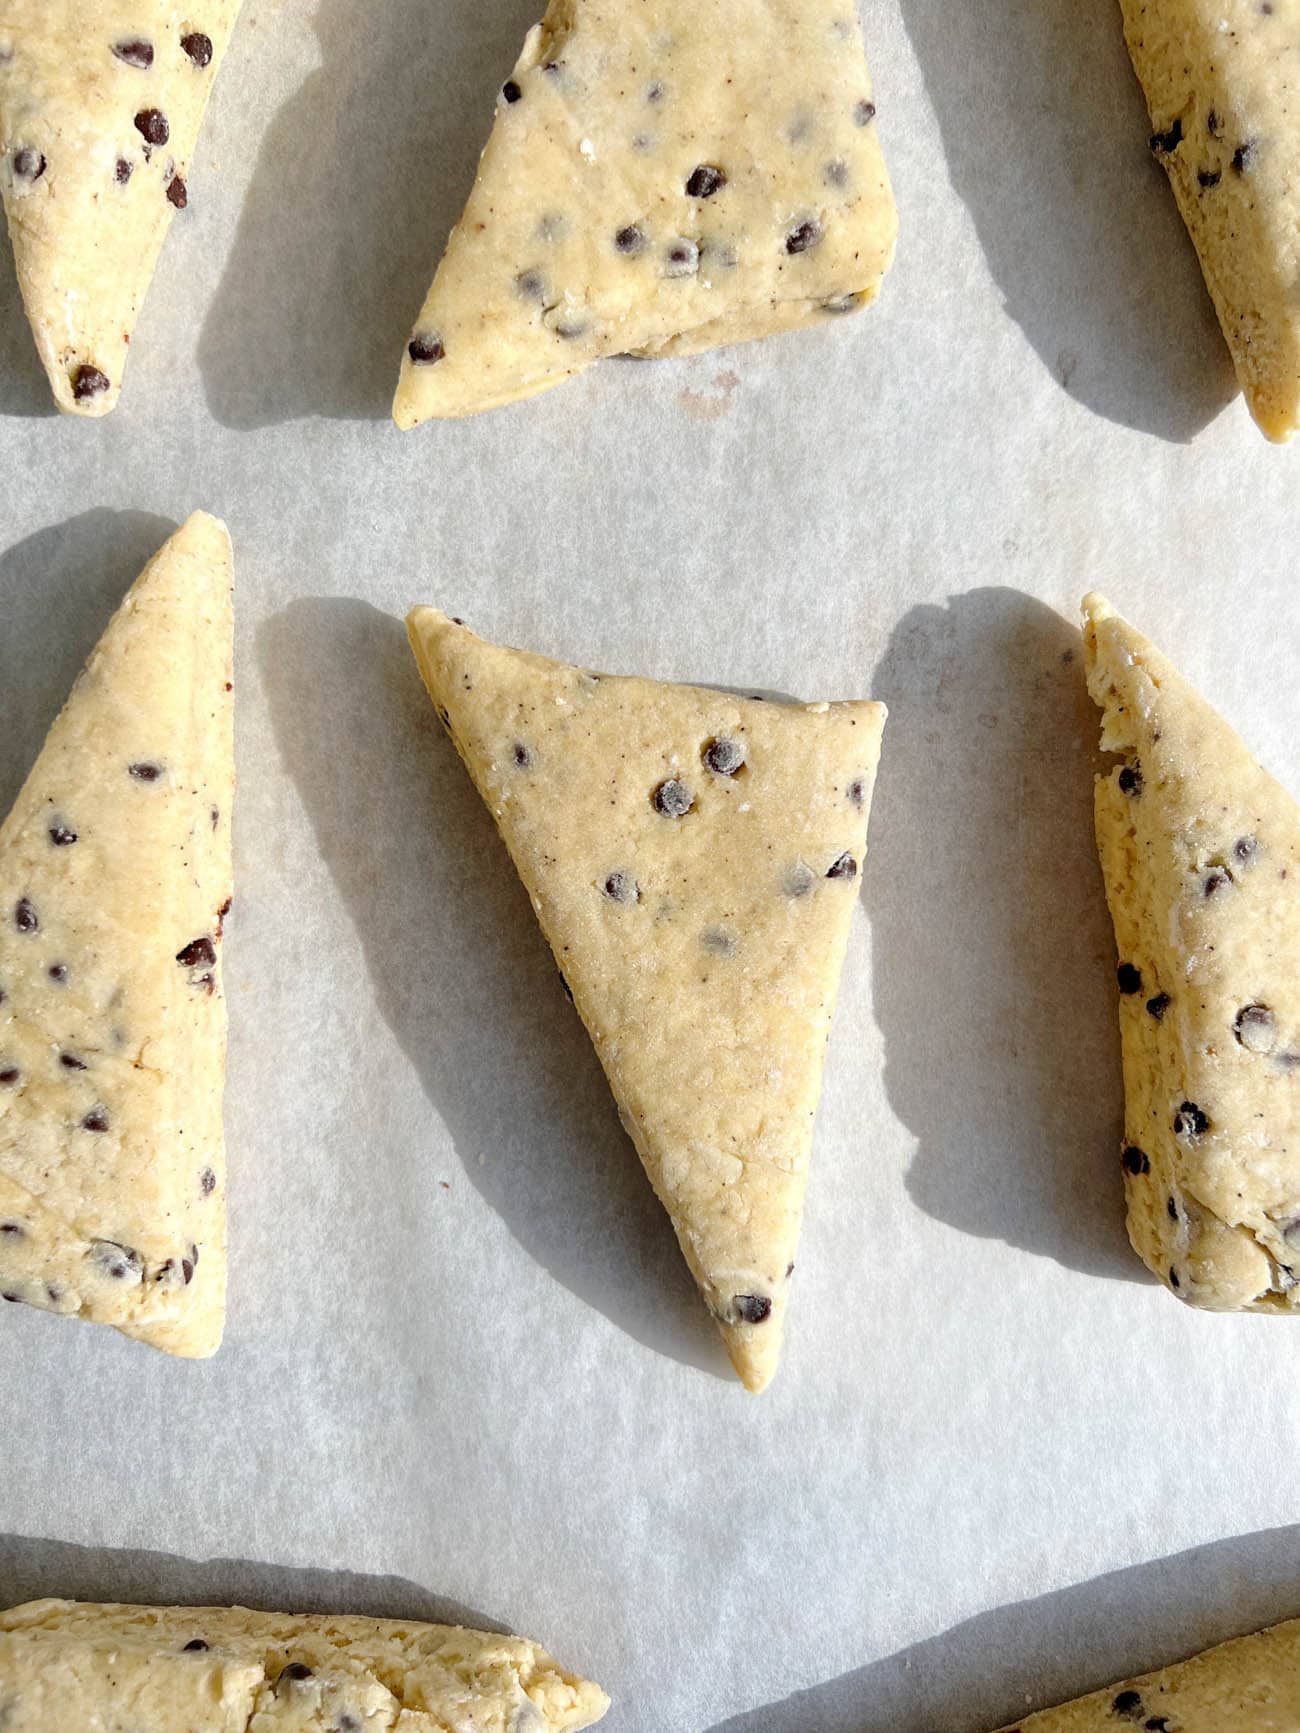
466,1374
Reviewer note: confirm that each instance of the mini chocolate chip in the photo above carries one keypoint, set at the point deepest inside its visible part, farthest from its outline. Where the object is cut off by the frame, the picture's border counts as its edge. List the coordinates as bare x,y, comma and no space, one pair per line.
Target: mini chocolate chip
13,1299
1245,849
1127,1703
294,1673
25,918
554,67
511,91
425,350
177,194
14,1229
135,52
187,1270
1216,881
571,329
621,888
752,1308
864,113
123,172
802,239
1173,1278
843,868
207,1182
724,757
1135,1160
1172,1209
151,124
682,259
672,798
95,1120
521,755
1166,143
1256,1028
58,972
1208,177
198,47
1212,123
630,240
1157,1724
194,1646
1189,1121
654,92
836,173
199,953
88,382
145,772
70,1062
1129,978
1243,156
29,164
1130,779
530,286
799,881
118,1263
858,792
705,181
1159,1005
9,1075
61,836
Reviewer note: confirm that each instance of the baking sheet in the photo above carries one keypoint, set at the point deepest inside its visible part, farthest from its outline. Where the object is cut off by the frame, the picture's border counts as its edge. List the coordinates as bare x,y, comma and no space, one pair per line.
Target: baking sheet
466,1375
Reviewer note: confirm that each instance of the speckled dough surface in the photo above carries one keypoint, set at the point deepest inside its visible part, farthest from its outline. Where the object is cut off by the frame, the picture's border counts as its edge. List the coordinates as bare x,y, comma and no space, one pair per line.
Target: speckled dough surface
67,1666
693,859
100,107
662,177
1251,1685
1200,850
115,877
1222,79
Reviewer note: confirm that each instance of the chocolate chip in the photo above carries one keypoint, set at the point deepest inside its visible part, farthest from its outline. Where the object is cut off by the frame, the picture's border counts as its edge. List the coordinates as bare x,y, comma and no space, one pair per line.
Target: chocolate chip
799,881
151,124
1216,881
198,47
1189,1121
654,92
9,1075
1127,1703
1245,849
621,888
1212,123
123,172
70,1062
682,259
187,1270
96,1120
135,52
705,181
522,756
145,772
843,868
806,236
58,972
177,194
1157,1724
61,836
530,286
1173,1278
13,1299
571,329
294,1673
1159,1005
25,918
1208,177
1135,1161
118,1263
1130,779
864,113
199,953
672,798
207,1182
630,240
724,757
88,382
1172,1209
858,792
511,91
752,1308
29,164
1243,156
1166,143
425,350
836,174
195,1646
1129,978
1256,1028
14,1229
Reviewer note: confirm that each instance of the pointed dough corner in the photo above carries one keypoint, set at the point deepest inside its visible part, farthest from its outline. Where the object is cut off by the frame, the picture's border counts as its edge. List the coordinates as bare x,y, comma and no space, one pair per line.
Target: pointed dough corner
652,186
1200,852
693,859
100,113
115,879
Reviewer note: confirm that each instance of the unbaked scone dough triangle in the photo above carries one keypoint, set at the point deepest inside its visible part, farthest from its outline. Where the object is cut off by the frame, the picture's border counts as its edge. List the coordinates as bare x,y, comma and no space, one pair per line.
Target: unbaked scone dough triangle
100,107
659,179
115,877
1200,850
693,859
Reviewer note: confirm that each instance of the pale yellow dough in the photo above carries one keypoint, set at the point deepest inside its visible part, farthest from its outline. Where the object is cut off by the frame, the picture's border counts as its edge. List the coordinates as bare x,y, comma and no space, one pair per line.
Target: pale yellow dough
1251,1685
598,224
69,1666
115,874
1222,80
703,951
1200,850
86,86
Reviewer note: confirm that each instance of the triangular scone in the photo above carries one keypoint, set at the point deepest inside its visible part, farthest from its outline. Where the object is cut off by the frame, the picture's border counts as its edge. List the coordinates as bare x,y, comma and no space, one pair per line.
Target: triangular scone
100,107
1200,850
66,1666
659,179
115,877
1250,1685
693,859
1221,86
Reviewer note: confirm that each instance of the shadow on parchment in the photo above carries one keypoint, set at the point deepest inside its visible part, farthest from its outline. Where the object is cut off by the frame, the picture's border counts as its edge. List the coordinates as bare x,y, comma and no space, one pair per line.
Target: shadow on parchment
24,389
33,1569
1045,136
359,178
462,974
58,590
993,959
991,1669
